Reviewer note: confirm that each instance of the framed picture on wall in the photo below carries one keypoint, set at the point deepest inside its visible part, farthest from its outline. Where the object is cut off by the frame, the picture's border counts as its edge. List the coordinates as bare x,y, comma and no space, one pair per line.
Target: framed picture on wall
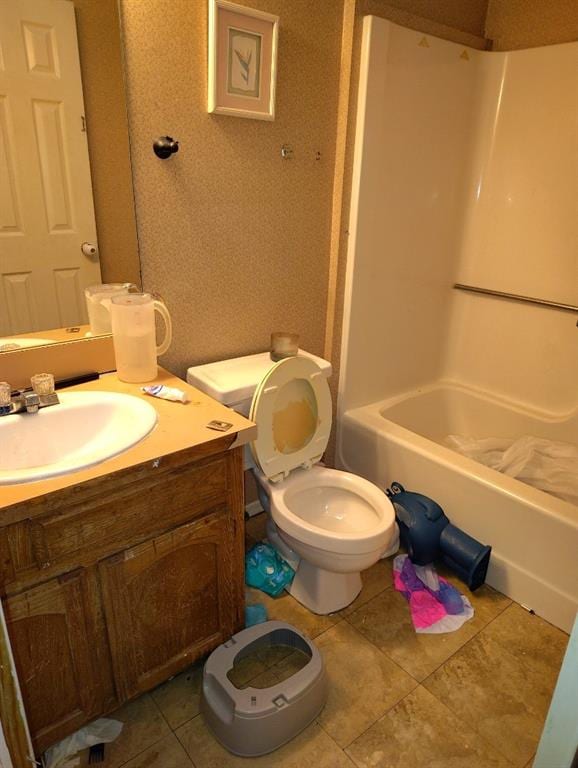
242,60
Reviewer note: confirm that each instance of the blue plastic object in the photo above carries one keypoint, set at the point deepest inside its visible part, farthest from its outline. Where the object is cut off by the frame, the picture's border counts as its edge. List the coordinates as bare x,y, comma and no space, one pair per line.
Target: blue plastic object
428,535
255,614
266,570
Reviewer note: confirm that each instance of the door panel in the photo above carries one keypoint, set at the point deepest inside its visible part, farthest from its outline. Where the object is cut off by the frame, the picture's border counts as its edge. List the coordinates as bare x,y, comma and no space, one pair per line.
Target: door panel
46,206
168,601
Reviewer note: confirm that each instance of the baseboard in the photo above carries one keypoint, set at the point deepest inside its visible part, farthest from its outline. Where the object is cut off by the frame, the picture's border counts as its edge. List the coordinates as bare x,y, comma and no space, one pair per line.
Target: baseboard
253,508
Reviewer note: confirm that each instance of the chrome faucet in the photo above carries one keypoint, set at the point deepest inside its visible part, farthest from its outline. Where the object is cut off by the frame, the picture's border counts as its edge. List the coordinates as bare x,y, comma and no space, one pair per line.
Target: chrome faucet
41,395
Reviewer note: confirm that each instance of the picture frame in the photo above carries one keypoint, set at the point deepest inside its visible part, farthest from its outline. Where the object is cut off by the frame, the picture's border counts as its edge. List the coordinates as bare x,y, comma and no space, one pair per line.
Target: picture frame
242,61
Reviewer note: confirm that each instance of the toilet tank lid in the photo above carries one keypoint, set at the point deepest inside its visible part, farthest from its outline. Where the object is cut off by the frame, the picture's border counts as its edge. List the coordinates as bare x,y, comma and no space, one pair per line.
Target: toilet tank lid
235,380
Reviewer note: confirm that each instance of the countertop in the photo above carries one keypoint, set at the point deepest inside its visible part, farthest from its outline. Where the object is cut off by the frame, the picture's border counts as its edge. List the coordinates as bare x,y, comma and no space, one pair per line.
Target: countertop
180,426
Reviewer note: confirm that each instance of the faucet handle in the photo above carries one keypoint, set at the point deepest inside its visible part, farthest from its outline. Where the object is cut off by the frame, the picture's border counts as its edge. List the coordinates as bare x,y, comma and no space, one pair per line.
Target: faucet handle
42,383
5,397
5,393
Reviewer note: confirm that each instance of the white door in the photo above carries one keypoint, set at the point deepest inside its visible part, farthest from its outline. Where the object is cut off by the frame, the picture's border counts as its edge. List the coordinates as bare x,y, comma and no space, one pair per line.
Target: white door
46,206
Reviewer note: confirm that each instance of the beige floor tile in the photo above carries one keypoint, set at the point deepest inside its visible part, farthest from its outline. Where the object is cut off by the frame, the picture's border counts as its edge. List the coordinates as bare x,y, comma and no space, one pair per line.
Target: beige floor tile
178,699
385,621
375,580
313,747
286,608
363,683
420,732
264,680
167,753
143,727
291,664
255,663
502,681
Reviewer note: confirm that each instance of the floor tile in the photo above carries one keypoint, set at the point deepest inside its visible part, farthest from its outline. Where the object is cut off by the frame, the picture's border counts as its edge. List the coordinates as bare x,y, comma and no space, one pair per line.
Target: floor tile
167,753
291,664
255,663
363,683
313,747
385,621
286,608
502,681
143,727
420,732
375,580
264,680
178,699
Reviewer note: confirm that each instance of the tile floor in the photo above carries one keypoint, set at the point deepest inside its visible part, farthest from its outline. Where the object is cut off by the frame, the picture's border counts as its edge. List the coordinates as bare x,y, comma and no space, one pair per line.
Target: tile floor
476,698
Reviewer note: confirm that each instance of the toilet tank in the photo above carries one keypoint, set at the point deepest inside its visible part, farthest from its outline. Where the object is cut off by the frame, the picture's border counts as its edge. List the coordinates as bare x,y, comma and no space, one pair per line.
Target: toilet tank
233,382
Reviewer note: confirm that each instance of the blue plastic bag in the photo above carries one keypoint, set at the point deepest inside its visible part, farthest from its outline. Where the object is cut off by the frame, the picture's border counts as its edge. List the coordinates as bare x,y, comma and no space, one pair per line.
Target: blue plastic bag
266,570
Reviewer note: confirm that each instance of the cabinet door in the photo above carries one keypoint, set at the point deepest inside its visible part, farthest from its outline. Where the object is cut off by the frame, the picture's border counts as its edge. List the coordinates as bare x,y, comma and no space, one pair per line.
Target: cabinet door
59,646
168,601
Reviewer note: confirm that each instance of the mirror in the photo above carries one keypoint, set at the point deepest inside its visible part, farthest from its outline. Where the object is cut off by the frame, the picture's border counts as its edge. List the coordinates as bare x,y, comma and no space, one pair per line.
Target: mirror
66,198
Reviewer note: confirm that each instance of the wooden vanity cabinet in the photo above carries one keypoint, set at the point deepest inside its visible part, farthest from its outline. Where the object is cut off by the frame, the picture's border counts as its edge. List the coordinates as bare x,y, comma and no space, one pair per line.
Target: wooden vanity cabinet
60,649
108,592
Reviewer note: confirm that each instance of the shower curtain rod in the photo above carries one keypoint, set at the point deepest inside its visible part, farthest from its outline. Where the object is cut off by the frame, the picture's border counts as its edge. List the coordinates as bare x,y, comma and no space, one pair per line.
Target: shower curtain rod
518,297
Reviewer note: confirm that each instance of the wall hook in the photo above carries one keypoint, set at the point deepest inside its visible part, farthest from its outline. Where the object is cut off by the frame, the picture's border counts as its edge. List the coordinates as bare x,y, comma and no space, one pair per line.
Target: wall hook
165,146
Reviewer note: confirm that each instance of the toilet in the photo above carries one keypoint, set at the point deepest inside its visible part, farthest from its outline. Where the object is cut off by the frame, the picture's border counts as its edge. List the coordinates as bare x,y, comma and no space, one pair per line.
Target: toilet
328,524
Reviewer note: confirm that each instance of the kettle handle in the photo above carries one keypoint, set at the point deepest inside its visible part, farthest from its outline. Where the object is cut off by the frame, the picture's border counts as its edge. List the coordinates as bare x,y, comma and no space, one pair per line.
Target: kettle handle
161,308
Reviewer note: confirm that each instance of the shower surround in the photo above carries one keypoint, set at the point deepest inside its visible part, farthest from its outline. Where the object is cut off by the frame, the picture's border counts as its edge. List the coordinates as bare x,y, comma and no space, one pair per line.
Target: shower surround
466,172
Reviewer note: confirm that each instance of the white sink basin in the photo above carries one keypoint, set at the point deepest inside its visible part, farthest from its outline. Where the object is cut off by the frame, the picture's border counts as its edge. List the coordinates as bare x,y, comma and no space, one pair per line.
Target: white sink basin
85,429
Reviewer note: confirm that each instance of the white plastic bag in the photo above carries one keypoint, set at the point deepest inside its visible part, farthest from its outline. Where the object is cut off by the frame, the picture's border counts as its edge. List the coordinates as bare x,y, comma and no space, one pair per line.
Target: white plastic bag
65,753
548,465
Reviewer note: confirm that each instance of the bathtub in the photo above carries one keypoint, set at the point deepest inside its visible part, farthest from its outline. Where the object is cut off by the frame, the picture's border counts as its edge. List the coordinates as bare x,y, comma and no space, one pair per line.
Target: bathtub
534,535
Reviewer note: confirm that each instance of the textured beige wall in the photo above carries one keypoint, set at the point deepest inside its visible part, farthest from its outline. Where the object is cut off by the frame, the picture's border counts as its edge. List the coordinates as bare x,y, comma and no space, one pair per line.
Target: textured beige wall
458,15
99,42
513,24
234,238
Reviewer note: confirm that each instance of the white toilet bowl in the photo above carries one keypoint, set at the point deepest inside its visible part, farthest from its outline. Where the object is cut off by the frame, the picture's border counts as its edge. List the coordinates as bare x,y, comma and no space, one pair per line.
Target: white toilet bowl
338,524
329,525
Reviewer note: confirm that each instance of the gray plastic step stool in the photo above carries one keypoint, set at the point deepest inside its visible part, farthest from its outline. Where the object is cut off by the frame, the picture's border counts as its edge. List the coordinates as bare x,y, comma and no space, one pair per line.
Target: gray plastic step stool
255,721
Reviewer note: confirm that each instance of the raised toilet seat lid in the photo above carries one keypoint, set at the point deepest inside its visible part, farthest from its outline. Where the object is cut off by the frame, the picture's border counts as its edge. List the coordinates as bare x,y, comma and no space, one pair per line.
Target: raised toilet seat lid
292,410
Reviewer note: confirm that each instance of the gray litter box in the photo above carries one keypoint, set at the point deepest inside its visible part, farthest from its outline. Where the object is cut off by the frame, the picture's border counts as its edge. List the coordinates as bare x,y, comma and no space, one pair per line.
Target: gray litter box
255,721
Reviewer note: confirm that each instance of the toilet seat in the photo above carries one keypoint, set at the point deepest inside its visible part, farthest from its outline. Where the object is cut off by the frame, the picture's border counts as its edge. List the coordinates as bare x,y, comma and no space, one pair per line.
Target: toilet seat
292,408
333,523
313,507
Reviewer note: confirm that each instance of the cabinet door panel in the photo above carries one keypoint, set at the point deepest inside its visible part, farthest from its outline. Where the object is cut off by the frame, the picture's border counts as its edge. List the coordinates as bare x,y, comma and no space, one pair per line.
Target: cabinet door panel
56,633
168,601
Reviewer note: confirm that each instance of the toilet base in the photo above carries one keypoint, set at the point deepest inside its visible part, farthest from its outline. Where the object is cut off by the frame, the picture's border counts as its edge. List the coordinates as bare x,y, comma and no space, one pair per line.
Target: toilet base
323,591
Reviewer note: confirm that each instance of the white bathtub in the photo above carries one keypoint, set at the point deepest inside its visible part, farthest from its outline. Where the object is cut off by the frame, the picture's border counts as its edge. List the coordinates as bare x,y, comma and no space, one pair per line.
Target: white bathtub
533,534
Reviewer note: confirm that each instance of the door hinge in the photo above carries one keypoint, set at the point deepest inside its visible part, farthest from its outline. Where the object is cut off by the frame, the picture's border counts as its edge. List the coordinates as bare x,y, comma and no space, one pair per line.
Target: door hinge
83,123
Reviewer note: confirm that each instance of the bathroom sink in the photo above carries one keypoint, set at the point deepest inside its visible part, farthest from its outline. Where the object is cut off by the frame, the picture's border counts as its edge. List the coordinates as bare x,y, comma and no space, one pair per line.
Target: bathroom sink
84,429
